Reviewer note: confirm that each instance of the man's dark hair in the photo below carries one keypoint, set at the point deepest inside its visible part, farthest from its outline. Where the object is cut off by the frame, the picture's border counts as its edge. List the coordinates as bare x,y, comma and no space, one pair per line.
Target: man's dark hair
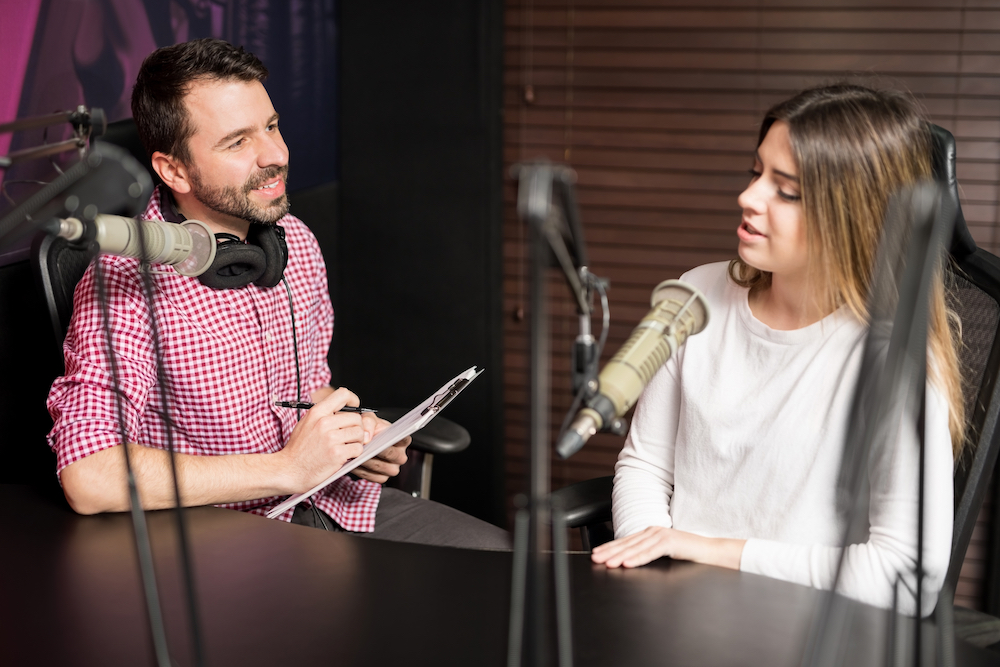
166,77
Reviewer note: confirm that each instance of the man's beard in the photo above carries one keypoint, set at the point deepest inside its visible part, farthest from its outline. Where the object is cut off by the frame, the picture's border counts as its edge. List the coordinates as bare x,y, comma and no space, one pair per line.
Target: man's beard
236,202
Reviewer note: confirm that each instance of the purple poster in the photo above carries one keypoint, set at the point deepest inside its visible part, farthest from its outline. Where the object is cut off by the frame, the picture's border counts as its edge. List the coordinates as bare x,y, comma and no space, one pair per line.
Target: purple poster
59,54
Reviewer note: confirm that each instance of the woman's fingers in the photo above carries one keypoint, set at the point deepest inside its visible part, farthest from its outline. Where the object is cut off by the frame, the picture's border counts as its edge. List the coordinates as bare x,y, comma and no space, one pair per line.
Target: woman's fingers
634,550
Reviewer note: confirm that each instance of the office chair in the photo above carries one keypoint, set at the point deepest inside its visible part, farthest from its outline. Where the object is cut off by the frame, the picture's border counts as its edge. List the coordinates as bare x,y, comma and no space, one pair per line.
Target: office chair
58,266
975,297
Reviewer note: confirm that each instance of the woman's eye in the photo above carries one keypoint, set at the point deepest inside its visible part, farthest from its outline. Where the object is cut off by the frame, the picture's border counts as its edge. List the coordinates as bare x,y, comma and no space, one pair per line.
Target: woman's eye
788,197
754,174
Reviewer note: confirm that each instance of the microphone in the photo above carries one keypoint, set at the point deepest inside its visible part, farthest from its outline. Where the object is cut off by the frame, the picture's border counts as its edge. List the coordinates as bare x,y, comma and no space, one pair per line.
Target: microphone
679,310
188,246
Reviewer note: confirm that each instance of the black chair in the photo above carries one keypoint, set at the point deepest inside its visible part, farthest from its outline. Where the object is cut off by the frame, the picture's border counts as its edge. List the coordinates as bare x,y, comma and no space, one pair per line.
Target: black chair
441,436
58,266
975,297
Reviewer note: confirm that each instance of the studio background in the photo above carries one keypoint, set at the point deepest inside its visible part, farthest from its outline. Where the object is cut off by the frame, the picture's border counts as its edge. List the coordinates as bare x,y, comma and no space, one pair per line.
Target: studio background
402,121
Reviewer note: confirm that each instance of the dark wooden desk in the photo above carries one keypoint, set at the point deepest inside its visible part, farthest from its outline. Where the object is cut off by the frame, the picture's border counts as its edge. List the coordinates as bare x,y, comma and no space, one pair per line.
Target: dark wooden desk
278,594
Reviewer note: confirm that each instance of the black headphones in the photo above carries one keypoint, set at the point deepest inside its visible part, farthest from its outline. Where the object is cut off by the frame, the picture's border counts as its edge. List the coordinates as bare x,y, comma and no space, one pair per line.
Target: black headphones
261,260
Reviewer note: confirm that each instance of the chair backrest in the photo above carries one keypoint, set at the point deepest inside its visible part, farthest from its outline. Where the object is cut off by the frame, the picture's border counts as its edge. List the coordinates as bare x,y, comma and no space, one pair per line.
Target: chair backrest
975,297
58,266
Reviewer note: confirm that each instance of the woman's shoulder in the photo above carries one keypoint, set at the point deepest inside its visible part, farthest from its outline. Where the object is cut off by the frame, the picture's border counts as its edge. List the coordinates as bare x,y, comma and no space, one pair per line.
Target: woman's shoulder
712,280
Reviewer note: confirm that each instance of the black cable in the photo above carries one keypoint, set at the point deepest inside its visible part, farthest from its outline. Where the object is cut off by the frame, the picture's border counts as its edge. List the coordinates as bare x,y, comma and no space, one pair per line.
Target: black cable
143,550
598,284
161,378
318,515
32,204
295,348
19,181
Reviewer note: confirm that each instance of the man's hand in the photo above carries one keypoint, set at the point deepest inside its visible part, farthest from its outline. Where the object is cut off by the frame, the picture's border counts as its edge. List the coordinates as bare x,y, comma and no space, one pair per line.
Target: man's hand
380,468
324,440
657,541
320,444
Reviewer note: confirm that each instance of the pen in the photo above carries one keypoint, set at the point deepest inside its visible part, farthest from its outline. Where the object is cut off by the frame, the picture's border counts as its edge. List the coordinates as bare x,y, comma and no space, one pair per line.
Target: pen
305,406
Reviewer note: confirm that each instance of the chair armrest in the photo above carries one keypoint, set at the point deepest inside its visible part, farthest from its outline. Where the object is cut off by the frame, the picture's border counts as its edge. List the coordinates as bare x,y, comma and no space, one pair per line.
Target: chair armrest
586,503
440,436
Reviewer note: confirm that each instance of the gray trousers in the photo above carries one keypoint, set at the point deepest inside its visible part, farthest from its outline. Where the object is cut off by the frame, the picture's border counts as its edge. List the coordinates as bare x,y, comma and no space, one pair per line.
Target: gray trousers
402,518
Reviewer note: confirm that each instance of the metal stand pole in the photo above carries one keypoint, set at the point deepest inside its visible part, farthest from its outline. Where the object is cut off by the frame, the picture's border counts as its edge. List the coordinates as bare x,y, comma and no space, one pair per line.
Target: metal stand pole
537,617
539,529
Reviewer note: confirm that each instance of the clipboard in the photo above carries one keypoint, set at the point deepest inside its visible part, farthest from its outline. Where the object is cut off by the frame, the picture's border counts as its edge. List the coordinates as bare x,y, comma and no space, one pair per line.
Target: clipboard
412,421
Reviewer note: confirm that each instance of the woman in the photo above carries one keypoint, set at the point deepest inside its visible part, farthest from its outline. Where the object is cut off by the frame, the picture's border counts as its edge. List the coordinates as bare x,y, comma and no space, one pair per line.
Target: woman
734,450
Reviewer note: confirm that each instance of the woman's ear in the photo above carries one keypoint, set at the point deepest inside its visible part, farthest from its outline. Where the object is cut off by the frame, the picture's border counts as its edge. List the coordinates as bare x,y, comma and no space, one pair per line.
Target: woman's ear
174,173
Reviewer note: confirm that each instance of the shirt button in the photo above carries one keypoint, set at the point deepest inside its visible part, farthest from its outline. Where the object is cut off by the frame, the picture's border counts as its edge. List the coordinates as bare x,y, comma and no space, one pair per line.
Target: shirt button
267,336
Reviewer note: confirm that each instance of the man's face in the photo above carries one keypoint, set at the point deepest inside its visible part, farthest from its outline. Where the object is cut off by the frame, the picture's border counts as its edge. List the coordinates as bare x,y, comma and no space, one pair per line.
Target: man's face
238,161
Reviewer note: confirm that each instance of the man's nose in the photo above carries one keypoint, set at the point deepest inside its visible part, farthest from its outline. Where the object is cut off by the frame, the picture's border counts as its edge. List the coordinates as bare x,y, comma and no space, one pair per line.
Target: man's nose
274,153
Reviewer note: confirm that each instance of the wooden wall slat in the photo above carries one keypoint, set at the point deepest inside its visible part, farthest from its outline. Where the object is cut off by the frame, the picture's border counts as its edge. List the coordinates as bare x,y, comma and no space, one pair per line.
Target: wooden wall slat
656,105
767,40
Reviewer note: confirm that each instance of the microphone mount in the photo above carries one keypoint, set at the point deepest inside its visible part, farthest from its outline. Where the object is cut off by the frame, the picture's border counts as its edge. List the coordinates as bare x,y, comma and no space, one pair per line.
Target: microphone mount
87,124
106,180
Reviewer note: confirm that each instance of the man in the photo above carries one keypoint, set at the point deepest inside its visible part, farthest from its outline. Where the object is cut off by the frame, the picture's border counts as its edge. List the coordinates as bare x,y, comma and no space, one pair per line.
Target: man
228,354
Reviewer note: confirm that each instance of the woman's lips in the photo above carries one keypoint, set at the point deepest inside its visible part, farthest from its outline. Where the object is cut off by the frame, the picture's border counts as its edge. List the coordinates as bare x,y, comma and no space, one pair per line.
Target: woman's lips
747,232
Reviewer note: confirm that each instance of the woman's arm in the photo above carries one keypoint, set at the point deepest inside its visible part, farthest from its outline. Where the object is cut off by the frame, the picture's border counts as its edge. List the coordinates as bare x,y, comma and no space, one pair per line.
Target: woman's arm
870,568
644,474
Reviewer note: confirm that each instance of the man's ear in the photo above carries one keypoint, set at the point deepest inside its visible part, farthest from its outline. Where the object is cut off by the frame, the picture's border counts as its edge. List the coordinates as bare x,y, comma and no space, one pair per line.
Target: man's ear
174,173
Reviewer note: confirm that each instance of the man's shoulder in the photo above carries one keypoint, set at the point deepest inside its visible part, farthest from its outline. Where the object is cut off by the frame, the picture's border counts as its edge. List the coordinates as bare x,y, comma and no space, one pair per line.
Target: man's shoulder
297,232
289,221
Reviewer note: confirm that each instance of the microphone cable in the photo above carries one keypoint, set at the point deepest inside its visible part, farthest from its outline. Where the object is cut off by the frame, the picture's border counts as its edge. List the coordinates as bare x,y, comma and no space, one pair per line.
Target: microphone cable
144,552
317,513
598,284
161,378
295,348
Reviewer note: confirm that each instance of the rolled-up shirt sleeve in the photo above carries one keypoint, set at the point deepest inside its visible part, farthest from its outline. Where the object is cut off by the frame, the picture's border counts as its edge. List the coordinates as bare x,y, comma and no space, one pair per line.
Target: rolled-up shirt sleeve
83,402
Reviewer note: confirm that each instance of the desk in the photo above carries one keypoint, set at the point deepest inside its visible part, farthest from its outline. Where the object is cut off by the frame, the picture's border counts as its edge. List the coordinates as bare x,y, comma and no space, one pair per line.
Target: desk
279,594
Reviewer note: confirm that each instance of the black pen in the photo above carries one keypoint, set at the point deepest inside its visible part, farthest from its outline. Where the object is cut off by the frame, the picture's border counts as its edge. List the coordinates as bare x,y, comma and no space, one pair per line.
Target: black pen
305,406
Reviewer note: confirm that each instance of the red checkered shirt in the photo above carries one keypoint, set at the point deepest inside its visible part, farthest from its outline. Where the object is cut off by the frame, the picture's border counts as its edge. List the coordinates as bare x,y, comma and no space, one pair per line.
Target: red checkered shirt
228,355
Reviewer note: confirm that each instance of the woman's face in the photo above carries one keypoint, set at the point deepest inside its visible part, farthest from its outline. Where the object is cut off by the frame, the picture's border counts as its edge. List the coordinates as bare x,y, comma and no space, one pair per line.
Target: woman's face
772,232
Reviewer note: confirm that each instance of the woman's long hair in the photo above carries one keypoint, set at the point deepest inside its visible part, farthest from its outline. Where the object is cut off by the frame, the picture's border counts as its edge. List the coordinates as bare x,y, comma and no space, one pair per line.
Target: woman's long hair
854,147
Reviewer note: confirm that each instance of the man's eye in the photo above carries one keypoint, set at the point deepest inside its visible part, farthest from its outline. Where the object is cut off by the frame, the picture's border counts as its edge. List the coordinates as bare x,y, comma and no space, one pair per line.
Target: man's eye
237,144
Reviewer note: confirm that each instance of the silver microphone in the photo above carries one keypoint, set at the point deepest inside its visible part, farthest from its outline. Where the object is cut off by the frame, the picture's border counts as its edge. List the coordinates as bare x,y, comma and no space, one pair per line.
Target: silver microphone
679,310
189,246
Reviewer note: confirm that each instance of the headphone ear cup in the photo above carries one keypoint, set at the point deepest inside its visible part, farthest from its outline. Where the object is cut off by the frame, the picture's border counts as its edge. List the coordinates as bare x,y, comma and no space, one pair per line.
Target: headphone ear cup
271,239
236,265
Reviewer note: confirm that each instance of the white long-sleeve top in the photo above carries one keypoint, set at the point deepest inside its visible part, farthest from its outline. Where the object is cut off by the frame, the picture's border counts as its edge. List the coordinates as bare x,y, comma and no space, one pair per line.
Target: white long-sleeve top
740,435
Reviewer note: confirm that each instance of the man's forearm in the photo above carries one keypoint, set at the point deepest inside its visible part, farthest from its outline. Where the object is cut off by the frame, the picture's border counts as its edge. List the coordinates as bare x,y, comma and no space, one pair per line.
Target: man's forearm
97,483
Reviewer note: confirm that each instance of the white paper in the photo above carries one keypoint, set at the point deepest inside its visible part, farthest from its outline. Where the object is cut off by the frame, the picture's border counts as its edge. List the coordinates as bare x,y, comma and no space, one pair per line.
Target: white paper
406,425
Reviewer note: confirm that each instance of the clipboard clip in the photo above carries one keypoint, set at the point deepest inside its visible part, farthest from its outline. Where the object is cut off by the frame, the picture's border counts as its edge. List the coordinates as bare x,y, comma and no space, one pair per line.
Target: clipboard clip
450,393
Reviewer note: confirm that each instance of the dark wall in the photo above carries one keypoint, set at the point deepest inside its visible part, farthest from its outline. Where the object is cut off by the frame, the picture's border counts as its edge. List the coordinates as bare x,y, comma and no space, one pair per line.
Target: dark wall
417,276
29,360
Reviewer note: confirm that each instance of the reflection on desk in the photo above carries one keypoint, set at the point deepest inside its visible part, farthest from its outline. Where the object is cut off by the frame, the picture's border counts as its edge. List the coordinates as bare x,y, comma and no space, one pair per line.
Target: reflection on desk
272,593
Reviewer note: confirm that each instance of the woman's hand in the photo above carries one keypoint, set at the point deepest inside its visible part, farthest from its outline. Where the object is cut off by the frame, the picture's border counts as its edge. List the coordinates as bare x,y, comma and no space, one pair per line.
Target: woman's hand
657,541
